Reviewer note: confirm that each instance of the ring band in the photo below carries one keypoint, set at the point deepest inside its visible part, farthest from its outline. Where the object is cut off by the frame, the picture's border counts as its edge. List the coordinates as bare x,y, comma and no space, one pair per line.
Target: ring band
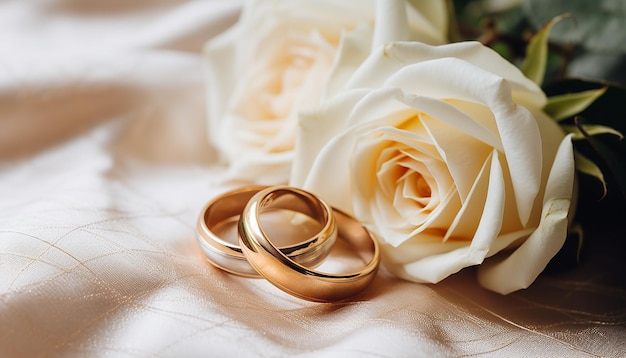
293,277
227,208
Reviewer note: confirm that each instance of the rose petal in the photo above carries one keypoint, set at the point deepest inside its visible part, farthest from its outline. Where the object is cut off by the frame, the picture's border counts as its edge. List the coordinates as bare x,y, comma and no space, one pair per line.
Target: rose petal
522,267
463,154
391,22
481,127
467,219
387,60
379,209
352,51
316,128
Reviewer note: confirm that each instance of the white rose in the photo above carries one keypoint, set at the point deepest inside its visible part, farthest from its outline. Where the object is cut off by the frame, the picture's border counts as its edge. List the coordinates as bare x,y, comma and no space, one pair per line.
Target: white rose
276,60
445,154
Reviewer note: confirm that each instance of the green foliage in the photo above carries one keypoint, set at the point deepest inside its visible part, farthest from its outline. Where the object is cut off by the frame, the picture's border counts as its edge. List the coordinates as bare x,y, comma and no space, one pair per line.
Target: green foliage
534,65
599,24
590,130
601,125
591,44
595,38
570,104
587,166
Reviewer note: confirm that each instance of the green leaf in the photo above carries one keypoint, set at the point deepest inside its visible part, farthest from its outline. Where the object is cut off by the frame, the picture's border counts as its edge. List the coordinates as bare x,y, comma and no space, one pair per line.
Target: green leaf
590,129
586,166
608,110
607,151
570,104
614,159
534,65
599,25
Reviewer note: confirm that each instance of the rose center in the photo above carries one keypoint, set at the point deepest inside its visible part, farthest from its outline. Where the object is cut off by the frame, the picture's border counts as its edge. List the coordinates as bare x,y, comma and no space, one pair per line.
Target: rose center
293,77
414,185
422,187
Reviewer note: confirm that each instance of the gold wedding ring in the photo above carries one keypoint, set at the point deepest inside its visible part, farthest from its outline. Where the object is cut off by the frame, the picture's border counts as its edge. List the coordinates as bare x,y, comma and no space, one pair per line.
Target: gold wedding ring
295,278
312,219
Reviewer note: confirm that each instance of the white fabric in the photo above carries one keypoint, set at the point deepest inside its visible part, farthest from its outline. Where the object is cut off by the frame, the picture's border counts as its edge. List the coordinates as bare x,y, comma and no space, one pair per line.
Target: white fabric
104,166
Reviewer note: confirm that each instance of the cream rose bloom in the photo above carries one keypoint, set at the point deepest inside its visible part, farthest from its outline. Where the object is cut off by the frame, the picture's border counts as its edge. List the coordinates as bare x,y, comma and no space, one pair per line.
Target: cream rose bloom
277,60
445,155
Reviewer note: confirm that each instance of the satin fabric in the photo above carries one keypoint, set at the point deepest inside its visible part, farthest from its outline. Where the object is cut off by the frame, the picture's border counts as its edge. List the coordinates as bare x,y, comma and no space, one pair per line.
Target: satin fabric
104,166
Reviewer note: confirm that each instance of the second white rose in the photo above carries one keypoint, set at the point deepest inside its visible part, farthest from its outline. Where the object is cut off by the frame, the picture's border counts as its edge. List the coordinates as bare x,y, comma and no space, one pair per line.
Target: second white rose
277,61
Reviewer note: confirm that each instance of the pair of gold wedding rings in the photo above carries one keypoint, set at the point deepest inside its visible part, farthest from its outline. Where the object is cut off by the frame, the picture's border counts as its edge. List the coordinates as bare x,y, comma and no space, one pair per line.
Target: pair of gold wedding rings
283,234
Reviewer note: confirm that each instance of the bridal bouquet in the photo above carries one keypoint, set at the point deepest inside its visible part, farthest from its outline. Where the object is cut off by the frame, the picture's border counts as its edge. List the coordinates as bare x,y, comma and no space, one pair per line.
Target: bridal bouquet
453,131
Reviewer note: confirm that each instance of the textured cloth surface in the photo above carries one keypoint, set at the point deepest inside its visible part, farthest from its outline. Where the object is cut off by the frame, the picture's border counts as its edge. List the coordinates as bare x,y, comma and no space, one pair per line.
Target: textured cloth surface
104,167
